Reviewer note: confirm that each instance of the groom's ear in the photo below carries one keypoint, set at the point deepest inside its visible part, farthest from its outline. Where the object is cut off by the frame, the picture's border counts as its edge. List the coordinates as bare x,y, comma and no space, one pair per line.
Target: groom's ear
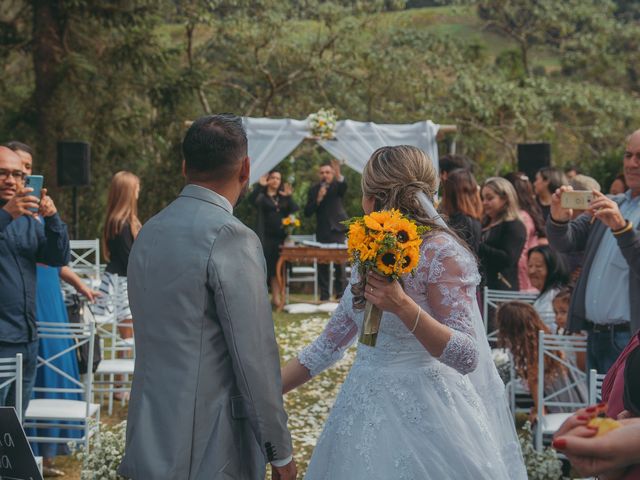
245,170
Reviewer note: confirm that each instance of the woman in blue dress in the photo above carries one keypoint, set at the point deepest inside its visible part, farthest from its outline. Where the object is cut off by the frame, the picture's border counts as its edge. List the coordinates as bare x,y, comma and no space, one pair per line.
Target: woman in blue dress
50,307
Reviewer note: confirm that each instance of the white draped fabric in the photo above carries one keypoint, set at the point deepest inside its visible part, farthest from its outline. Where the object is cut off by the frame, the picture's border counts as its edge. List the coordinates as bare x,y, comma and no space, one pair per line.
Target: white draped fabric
271,140
356,141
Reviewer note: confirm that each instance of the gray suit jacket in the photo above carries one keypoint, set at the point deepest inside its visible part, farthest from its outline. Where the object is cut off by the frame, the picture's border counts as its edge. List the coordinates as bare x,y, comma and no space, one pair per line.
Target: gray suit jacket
580,235
206,401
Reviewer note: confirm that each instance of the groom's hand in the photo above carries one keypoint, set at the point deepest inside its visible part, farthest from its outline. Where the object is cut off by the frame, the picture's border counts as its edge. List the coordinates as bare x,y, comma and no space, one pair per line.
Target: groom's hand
288,472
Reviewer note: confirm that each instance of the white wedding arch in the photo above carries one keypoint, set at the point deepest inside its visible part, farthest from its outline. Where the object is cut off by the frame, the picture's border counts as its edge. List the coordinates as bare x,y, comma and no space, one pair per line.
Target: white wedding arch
272,140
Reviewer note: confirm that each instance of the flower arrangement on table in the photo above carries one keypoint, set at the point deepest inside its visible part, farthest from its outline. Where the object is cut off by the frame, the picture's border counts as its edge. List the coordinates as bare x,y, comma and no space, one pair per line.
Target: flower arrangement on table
323,123
389,243
290,223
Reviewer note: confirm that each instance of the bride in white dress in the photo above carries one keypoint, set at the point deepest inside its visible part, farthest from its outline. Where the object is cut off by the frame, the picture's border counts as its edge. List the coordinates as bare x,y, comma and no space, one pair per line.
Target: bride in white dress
426,402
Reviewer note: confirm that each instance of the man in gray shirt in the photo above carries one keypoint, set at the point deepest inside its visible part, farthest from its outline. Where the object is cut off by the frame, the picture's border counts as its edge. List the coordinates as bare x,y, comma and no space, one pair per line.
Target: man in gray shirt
606,300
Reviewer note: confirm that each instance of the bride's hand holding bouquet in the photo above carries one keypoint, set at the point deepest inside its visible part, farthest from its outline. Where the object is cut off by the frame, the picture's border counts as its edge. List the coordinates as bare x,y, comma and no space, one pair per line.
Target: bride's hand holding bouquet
383,246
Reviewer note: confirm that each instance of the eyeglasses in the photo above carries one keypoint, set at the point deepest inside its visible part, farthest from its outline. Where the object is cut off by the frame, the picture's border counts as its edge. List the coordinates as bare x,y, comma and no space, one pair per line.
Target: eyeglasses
17,175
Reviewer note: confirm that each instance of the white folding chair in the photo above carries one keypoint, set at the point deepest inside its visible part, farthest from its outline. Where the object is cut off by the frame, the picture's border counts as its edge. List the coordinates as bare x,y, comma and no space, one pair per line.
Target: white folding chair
595,386
85,259
10,372
495,298
114,374
302,273
548,346
66,415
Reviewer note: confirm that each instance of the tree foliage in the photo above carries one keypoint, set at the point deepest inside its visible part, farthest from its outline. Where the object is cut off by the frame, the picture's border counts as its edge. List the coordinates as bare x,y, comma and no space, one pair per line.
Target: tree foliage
125,75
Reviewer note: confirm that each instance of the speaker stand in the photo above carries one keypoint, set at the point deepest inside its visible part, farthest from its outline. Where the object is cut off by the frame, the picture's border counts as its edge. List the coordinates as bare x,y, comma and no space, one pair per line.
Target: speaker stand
74,201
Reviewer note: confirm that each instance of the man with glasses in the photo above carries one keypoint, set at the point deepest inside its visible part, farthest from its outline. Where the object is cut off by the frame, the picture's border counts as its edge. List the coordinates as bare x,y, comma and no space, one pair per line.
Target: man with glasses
26,237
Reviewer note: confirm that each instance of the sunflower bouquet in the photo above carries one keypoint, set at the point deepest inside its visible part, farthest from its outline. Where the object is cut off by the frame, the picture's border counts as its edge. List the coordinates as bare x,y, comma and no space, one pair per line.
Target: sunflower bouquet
389,243
290,223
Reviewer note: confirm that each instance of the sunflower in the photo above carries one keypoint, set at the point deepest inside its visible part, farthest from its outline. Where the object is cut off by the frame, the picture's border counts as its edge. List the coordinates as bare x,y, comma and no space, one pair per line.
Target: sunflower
386,263
405,230
409,259
382,220
368,251
357,236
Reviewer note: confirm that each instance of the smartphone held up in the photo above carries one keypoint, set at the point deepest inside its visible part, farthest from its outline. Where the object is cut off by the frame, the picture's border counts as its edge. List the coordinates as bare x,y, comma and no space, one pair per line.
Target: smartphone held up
576,200
35,182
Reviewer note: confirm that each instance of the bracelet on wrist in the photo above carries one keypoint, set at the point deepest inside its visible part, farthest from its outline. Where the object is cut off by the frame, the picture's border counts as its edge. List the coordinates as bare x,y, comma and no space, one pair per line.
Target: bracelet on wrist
627,227
415,325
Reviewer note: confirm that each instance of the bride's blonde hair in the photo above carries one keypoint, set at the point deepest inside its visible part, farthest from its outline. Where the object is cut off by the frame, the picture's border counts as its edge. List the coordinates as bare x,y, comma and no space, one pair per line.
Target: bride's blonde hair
394,176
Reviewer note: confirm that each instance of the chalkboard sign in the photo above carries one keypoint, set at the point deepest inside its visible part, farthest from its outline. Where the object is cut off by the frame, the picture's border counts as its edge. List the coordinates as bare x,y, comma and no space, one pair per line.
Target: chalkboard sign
16,458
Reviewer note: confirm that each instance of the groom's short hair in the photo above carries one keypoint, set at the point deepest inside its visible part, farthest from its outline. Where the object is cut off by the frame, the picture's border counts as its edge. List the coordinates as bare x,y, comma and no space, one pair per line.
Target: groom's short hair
213,146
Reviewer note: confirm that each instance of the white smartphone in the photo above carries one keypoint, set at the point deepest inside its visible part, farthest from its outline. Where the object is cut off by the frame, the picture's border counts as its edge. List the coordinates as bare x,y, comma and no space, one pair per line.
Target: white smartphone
577,199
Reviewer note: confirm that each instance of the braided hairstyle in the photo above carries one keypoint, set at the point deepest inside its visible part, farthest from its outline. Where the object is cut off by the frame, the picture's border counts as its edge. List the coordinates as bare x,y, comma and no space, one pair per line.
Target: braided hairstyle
393,177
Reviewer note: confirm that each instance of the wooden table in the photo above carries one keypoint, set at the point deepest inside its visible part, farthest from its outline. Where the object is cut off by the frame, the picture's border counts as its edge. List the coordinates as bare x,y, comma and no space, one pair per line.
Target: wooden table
304,254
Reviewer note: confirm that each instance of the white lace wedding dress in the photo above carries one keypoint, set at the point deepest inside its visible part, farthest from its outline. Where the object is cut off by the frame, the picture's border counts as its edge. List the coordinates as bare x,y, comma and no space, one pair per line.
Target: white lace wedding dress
403,414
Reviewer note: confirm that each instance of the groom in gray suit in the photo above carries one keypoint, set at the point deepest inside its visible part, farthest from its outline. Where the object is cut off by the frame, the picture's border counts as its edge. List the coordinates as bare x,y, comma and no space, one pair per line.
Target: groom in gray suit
206,401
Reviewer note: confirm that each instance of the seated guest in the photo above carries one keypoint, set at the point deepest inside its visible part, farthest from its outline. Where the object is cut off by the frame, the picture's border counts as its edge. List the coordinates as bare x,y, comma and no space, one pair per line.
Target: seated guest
561,309
274,203
548,275
618,186
503,235
518,327
462,205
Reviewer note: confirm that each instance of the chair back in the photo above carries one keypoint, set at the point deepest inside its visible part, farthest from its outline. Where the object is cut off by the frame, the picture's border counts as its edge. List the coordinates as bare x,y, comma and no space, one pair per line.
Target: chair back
549,346
85,258
495,298
78,334
11,371
595,386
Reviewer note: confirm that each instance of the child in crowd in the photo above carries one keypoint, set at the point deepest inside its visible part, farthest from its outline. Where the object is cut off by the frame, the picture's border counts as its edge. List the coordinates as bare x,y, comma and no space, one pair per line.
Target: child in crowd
561,308
518,327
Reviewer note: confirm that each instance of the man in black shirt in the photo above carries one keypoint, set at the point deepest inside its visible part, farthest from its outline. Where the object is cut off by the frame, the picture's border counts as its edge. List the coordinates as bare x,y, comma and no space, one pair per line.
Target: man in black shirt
325,200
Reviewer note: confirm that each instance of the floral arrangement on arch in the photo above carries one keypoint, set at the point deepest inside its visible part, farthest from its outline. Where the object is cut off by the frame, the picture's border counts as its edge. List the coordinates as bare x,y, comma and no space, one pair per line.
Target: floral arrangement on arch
290,223
389,243
323,123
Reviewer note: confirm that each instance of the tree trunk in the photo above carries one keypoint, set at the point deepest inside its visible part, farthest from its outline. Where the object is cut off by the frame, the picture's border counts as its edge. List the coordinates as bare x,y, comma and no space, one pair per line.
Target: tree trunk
48,51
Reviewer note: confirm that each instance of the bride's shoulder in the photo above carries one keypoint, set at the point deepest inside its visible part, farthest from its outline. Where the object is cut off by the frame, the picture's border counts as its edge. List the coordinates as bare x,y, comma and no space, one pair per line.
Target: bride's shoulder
441,250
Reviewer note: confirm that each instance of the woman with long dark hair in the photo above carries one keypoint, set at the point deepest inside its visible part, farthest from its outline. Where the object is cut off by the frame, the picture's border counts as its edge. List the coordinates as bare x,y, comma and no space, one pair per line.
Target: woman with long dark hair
274,203
531,215
462,205
548,180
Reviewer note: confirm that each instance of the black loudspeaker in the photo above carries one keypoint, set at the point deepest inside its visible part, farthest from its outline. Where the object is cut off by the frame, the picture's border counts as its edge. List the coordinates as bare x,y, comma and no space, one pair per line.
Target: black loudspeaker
74,159
532,157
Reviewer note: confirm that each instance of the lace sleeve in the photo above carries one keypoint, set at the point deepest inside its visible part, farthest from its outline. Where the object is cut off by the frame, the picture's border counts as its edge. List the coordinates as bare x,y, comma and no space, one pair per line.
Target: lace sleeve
451,292
337,337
